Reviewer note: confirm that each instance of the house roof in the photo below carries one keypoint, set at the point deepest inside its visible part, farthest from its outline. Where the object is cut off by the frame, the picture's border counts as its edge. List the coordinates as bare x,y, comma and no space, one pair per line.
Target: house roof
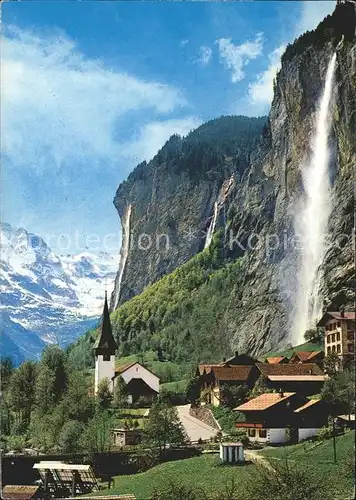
289,369
123,368
297,378
275,359
206,367
308,404
336,315
306,355
105,339
264,401
232,372
17,492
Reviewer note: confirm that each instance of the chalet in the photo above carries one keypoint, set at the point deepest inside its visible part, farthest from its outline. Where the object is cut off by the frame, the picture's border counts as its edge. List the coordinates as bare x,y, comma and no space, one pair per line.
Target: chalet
221,377
276,360
239,359
140,382
339,334
282,417
305,379
308,357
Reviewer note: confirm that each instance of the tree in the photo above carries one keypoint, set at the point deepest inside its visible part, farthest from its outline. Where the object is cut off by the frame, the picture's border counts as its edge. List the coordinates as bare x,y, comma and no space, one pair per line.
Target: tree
104,395
332,364
164,427
6,370
339,392
70,437
22,394
76,402
97,435
55,360
120,393
193,390
44,389
314,335
234,395
260,387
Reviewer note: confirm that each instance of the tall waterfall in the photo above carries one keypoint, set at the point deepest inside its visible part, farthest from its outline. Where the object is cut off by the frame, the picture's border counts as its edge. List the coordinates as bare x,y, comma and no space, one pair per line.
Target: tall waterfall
125,245
209,234
311,221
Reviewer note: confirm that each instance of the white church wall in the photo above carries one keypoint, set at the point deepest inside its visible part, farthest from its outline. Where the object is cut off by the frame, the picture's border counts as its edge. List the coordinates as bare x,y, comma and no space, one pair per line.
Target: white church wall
104,369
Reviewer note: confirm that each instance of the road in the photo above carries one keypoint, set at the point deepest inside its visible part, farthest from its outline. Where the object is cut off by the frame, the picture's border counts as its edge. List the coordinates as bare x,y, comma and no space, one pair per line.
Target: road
195,428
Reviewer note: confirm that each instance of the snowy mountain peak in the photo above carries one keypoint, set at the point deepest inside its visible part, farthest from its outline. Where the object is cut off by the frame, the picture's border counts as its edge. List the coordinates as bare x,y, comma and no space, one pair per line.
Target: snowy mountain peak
46,293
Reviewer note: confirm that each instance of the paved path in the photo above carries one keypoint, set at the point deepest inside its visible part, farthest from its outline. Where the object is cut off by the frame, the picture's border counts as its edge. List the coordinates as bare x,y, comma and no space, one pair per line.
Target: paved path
195,428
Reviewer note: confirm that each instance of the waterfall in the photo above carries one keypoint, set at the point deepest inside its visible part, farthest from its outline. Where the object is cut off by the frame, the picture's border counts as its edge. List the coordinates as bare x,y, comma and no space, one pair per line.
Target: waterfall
311,221
209,234
123,252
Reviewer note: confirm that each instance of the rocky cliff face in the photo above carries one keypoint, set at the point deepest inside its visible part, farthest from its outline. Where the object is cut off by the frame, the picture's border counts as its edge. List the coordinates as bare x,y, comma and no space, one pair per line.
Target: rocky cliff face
256,184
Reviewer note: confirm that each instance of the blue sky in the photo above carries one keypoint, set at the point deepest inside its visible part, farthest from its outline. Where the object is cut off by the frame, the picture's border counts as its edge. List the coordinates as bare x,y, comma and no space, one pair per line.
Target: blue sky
89,89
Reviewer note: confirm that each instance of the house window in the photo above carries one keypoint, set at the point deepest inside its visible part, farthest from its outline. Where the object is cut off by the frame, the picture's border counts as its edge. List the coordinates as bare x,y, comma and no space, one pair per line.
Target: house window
262,433
333,348
329,349
338,348
106,357
251,433
338,336
351,348
350,336
333,337
338,324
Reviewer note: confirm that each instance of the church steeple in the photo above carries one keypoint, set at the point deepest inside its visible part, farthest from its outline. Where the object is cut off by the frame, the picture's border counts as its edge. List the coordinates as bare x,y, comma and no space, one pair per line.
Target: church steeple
105,342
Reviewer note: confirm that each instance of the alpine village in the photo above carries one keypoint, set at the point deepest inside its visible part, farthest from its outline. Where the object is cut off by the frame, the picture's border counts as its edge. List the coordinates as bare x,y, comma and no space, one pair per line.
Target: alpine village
219,369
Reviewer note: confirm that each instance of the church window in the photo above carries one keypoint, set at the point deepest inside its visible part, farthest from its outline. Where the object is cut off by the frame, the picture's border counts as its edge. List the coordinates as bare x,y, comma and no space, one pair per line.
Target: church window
106,357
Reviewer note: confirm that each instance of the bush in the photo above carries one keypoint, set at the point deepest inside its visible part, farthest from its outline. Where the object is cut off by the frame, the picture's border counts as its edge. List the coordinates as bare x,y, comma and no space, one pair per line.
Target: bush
178,491
325,433
16,443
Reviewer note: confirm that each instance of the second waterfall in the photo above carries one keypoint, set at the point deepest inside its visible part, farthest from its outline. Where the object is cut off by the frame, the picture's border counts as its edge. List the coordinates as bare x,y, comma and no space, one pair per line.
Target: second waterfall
311,220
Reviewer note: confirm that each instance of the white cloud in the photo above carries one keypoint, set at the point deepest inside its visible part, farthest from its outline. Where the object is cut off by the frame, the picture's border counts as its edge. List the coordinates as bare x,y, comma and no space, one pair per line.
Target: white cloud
312,13
183,43
235,57
205,55
261,90
153,136
58,105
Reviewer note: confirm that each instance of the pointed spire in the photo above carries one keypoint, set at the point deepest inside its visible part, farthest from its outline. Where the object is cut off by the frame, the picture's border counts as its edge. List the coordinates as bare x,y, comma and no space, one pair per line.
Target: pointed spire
105,343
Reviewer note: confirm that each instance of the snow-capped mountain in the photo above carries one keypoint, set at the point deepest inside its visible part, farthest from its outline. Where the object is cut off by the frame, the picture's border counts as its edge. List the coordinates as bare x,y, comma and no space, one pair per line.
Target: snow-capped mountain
47,297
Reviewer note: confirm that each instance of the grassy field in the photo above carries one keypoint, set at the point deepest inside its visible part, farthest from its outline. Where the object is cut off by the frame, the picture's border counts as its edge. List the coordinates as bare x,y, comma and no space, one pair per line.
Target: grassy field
204,471
179,386
319,458
308,347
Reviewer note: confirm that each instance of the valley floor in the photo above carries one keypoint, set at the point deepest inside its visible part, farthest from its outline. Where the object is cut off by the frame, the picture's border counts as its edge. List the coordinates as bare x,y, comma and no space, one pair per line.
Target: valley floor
207,473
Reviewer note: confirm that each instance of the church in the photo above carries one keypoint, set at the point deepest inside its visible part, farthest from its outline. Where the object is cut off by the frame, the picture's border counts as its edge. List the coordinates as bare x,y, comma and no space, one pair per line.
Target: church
141,383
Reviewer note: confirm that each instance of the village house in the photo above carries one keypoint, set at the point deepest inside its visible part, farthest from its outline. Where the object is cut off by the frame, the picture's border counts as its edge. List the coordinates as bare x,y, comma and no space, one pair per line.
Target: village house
339,334
305,379
277,418
276,360
308,357
141,384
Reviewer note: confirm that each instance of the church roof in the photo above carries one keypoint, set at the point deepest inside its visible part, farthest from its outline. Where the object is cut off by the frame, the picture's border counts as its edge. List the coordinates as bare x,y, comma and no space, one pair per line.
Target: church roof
105,339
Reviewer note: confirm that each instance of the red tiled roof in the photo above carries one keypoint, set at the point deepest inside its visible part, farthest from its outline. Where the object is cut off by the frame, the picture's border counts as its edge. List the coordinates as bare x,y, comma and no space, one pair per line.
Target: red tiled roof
302,355
264,401
313,354
308,404
17,492
289,369
336,315
232,372
275,359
